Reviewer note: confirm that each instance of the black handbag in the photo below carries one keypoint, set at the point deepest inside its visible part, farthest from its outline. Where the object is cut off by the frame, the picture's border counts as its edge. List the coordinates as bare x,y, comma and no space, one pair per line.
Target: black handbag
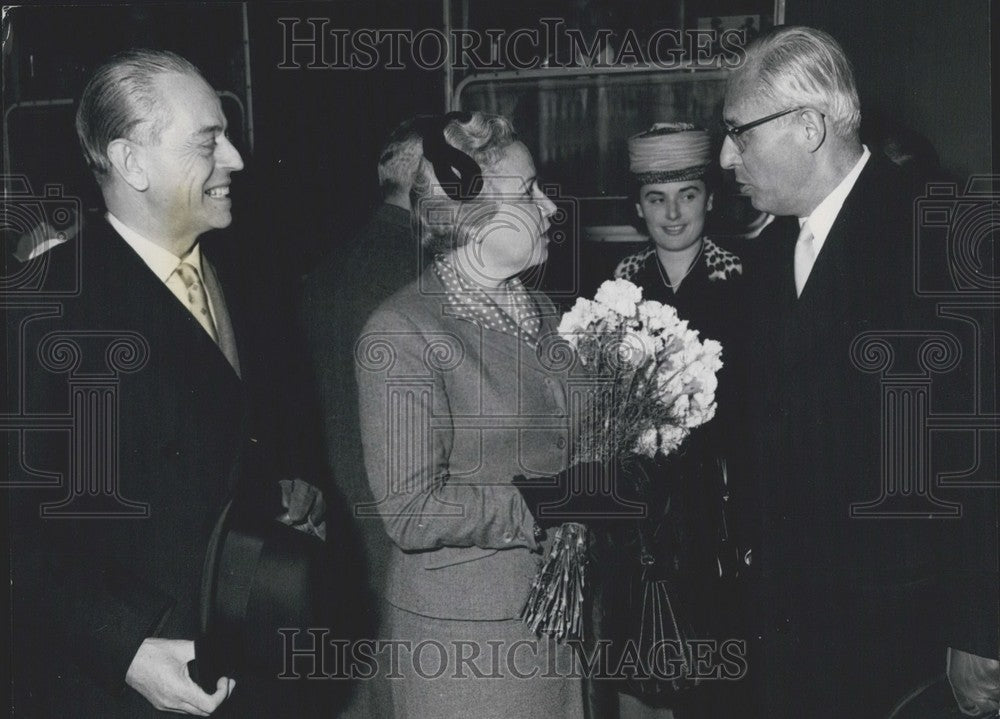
656,619
657,581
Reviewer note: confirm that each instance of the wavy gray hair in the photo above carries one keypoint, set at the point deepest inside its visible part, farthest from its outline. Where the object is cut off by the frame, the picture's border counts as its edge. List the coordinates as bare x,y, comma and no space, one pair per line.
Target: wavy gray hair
802,66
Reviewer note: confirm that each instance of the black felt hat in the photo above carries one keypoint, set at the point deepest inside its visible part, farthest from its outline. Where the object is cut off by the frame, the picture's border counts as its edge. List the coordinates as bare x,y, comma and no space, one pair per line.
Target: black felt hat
264,584
932,700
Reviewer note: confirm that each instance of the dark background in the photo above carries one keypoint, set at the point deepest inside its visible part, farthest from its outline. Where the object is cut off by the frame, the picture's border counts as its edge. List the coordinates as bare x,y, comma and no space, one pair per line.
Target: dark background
310,179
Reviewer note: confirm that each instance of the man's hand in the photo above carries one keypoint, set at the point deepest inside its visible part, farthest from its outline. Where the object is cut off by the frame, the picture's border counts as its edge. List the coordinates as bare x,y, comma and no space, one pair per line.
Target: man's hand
975,681
159,672
305,508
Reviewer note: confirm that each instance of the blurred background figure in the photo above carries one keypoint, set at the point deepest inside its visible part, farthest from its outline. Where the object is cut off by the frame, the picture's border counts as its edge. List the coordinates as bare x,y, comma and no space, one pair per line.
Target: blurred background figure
338,297
906,148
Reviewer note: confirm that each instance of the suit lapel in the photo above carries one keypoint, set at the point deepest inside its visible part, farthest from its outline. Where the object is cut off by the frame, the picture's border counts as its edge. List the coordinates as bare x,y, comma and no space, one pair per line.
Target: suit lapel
832,268
772,283
829,297
149,305
223,323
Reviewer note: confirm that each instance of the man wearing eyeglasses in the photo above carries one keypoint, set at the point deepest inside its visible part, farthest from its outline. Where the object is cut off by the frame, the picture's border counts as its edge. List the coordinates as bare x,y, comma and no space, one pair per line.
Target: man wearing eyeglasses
854,608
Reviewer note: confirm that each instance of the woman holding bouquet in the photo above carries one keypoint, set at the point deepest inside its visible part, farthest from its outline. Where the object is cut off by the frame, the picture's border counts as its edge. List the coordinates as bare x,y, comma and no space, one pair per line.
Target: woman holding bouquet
458,394
688,531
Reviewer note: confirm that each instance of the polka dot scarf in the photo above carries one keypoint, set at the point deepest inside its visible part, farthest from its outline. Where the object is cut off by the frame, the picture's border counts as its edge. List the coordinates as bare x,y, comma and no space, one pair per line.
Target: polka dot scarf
517,314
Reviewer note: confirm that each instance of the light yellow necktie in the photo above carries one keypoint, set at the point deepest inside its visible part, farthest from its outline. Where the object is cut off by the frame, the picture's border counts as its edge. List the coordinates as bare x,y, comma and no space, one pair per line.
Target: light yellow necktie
197,299
805,256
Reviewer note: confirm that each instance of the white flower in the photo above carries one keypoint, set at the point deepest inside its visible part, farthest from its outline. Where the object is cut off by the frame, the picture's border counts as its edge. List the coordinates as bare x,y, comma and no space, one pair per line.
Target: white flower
712,347
637,348
577,318
647,443
656,316
619,295
703,409
646,353
681,406
671,438
709,383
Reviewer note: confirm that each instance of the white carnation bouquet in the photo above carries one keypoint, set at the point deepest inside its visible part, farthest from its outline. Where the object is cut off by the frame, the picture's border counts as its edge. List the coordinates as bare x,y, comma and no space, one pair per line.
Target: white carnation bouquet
657,382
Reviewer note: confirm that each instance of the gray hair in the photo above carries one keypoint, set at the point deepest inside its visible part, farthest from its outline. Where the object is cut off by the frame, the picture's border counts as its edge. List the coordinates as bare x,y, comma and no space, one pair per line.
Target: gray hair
444,224
121,101
399,159
800,66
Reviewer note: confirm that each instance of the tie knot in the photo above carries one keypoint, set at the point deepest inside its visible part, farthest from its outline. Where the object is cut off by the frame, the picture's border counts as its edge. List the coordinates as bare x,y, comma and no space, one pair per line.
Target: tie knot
188,274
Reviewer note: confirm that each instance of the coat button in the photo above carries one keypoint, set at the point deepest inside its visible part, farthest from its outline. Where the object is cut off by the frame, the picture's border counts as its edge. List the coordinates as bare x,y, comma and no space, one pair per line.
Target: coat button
561,443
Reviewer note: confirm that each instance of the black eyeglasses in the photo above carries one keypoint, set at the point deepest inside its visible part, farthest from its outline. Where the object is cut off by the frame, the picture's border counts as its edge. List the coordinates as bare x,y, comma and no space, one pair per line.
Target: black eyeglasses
736,133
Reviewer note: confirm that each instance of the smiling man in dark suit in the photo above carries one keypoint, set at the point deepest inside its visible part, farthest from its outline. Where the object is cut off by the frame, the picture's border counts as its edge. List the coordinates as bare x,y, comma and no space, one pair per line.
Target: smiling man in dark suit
845,604
106,606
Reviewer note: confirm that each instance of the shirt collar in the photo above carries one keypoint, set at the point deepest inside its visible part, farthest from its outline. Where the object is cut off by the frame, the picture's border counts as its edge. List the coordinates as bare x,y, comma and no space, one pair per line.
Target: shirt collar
469,302
823,217
162,262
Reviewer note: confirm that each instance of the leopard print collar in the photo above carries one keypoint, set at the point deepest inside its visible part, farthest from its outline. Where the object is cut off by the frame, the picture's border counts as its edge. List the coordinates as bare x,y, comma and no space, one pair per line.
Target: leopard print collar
721,263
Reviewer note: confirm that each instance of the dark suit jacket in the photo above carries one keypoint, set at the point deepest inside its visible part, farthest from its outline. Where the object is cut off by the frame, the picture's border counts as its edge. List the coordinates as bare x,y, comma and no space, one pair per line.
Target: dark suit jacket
89,590
852,609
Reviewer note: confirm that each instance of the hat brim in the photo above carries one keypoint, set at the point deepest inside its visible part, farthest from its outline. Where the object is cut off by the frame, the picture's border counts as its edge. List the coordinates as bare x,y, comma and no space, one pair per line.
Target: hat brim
260,576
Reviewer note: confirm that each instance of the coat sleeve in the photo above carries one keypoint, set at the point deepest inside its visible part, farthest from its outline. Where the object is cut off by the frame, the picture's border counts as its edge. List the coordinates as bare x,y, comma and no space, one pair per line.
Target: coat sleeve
408,436
109,616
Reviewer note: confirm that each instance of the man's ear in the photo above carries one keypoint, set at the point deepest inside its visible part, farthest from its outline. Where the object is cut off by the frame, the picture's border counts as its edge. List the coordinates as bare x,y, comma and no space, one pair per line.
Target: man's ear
814,127
127,160
638,210
708,205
